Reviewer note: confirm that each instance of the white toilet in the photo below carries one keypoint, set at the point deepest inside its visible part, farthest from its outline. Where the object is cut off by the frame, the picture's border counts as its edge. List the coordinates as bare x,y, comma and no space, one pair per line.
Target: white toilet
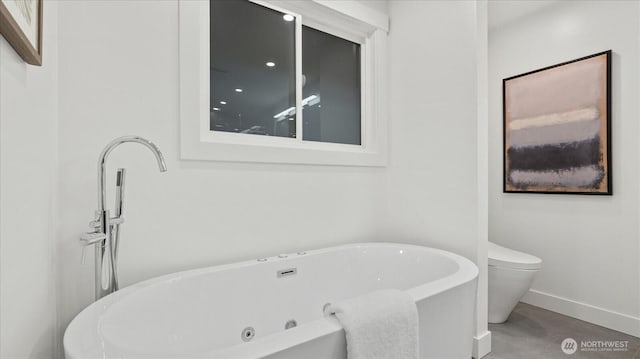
510,276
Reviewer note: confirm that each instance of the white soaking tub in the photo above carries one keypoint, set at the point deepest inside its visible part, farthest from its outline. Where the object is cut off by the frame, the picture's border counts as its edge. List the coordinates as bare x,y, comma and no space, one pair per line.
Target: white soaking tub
206,313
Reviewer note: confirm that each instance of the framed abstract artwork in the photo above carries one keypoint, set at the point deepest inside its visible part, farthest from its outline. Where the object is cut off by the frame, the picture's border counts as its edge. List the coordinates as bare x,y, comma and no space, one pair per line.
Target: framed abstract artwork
21,25
557,128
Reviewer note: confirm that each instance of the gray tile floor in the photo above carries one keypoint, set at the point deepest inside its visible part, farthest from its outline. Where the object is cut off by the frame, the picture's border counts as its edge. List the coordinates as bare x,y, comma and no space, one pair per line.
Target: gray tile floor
533,332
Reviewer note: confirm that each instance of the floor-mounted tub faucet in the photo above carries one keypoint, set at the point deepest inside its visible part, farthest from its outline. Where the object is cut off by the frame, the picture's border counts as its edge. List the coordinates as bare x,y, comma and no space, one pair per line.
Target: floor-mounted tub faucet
106,229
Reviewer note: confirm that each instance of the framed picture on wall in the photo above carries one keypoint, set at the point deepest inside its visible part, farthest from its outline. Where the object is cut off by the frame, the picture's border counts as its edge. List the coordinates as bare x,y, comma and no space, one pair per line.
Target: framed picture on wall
557,128
21,25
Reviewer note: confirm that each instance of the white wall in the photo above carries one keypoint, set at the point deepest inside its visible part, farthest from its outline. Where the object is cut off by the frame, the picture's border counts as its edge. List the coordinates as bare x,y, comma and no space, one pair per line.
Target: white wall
482,343
432,178
589,244
28,146
379,5
432,169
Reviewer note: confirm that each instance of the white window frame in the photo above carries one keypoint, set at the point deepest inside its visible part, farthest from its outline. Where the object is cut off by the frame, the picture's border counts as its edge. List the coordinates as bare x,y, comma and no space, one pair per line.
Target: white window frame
346,19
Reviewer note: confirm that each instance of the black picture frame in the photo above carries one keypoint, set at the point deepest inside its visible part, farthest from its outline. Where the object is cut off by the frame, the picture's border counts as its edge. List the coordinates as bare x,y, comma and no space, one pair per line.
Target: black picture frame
605,153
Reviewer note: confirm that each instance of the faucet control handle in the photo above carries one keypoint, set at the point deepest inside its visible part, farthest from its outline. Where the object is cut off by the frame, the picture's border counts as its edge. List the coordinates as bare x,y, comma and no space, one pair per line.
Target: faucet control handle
88,239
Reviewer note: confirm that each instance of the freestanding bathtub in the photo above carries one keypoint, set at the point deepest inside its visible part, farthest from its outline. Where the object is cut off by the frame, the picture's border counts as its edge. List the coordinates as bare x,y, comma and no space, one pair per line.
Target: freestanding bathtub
241,310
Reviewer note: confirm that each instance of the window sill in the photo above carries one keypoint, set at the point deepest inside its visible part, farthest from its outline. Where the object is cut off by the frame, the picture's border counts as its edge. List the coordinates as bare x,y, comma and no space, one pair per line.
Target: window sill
293,154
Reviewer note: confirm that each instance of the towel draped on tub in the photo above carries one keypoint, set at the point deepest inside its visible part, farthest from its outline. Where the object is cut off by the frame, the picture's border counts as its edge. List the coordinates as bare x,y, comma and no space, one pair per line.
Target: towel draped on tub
379,325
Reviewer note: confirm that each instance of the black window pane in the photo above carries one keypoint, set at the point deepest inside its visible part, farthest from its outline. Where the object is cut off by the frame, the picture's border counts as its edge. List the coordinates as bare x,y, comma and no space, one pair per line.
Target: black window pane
331,88
252,69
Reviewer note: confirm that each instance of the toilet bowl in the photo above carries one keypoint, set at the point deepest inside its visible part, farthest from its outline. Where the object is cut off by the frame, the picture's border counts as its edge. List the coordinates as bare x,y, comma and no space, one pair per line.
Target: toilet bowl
510,276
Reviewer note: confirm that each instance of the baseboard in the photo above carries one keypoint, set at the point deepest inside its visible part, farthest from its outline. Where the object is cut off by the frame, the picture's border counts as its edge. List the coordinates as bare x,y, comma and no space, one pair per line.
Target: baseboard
482,345
603,317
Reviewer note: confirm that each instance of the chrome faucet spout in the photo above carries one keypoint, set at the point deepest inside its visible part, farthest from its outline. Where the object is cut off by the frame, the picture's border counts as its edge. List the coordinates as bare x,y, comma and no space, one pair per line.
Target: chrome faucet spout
103,158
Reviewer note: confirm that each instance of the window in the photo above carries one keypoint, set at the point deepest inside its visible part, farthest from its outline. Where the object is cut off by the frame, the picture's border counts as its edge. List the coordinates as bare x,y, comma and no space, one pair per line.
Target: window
253,76
253,69
296,82
331,88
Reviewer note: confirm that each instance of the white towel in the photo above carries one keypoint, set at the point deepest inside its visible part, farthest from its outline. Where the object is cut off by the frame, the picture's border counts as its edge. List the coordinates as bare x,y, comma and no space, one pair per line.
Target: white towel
380,325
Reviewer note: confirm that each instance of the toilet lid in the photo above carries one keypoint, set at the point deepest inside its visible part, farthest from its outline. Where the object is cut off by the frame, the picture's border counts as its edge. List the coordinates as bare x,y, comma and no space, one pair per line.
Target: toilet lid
504,257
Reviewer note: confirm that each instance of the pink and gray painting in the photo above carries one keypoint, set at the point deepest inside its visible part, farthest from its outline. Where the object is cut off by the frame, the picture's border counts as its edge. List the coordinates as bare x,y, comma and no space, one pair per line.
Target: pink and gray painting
556,128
